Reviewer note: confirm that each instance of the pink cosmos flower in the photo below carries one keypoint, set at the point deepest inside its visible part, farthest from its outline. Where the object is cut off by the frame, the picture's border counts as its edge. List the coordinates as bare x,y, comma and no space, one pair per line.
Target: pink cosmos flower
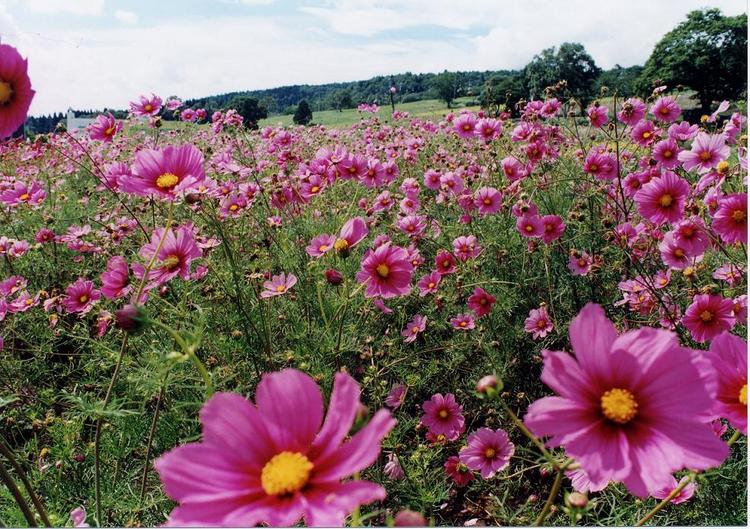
443,415
392,467
78,517
684,495
663,199
462,322
116,279
20,193
708,316
530,226
728,355
275,461
165,173
706,152
580,264
465,125
396,396
553,226
730,219
666,109
81,296
457,471
320,245
412,225
104,128
15,90
428,284
481,302
146,106
601,166
445,263
387,272
352,232
539,324
631,408
488,129
598,115
691,235
666,153
278,285
488,452
176,253
682,131
644,133
633,110
414,328
488,200
466,247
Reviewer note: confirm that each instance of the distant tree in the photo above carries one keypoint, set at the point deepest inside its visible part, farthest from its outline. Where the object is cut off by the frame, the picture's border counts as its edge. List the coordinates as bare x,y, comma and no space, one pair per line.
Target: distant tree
303,115
707,52
502,92
447,87
340,99
622,80
250,110
570,63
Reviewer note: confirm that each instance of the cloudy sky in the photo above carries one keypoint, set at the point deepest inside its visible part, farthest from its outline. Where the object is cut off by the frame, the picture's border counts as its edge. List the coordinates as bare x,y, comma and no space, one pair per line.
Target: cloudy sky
104,53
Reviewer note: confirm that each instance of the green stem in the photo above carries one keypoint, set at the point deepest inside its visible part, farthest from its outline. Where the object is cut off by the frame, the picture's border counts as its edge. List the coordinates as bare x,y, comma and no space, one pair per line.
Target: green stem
150,442
735,436
189,351
8,453
20,500
550,499
521,426
666,500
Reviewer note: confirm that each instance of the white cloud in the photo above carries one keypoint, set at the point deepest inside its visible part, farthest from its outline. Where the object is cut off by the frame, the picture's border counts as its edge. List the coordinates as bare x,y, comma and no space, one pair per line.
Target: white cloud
107,67
126,17
75,7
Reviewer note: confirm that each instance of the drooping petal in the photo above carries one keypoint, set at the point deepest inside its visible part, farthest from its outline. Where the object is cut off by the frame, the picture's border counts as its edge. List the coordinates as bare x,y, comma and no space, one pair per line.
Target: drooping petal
329,505
341,412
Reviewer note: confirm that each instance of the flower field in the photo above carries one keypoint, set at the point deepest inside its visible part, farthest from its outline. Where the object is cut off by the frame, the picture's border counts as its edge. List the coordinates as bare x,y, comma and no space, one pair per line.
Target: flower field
470,320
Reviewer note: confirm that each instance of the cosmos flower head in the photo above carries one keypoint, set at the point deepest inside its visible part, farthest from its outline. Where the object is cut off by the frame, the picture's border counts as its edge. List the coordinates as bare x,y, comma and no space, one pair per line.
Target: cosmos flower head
15,90
276,461
167,173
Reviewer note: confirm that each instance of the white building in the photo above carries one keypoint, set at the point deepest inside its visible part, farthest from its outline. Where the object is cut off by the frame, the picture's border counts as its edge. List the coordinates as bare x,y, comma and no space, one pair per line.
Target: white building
74,124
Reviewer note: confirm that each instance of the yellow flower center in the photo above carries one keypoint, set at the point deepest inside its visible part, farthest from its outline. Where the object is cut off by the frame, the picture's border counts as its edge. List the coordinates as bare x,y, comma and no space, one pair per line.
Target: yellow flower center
487,201
619,405
148,108
489,453
723,166
739,215
667,154
234,207
705,156
323,248
314,189
707,316
84,298
665,200
167,180
6,92
529,228
646,135
341,245
541,324
280,288
593,168
743,395
285,473
463,324
415,329
443,414
24,197
679,252
431,285
582,262
110,131
171,262
383,270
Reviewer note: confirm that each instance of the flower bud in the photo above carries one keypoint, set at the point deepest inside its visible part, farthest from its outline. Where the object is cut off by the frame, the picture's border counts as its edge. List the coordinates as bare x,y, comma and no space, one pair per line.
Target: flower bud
407,518
577,500
131,318
334,277
489,385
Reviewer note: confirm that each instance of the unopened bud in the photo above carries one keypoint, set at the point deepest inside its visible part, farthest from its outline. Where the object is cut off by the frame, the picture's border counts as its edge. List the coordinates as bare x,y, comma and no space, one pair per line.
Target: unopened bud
334,277
489,385
577,500
131,318
407,518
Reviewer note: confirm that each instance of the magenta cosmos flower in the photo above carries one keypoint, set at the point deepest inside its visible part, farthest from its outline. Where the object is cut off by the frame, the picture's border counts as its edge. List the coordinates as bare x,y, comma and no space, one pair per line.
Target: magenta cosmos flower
457,471
539,324
632,408
387,272
730,220
708,316
116,279
396,396
488,200
706,152
278,285
146,106
81,296
481,302
663,199
462,322
728,354
666,109
414,328
488,452
321,245
428,284
275,461
352,232
165,173
176,253
443,415
15,90
104,128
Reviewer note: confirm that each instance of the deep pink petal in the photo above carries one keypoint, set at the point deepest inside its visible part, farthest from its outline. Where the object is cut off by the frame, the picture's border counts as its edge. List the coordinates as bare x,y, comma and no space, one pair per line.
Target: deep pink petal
342,410
592,335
